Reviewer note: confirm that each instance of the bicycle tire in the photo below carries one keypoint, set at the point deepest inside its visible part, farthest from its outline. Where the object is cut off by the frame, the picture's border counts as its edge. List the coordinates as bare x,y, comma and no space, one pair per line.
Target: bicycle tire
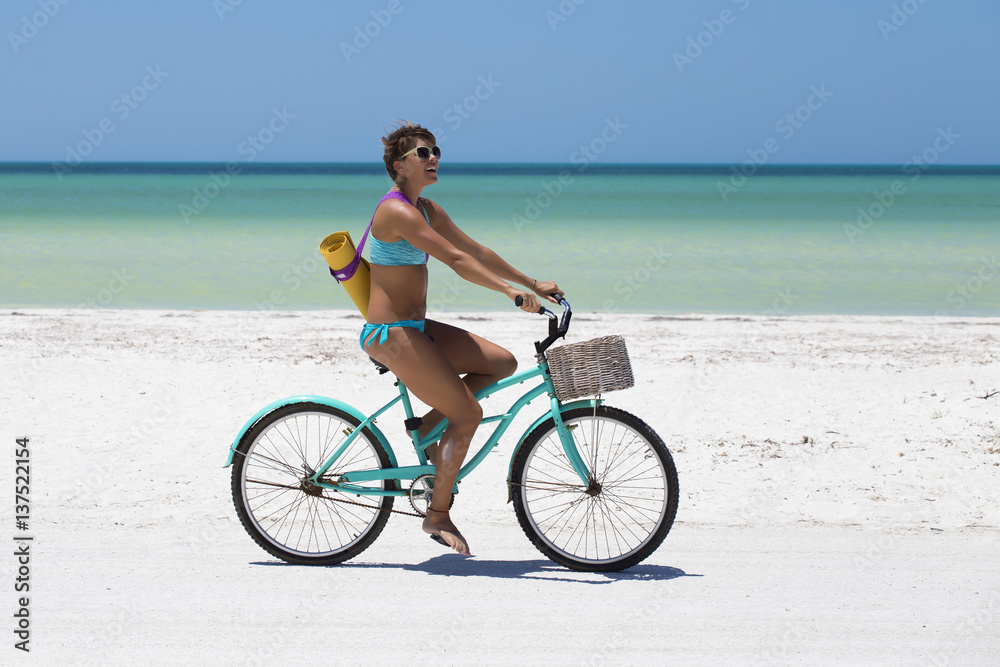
613,524
307,526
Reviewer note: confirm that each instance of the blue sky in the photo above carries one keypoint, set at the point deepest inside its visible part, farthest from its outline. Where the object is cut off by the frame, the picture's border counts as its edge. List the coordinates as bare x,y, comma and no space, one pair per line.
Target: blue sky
852,81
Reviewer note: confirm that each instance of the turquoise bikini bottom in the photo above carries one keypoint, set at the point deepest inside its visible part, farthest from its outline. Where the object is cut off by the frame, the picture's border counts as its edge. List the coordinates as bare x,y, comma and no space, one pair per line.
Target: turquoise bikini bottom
370,332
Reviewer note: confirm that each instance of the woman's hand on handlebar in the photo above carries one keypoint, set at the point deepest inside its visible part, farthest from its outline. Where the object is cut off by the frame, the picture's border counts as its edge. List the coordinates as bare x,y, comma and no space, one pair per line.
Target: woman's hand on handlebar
546,289
526,301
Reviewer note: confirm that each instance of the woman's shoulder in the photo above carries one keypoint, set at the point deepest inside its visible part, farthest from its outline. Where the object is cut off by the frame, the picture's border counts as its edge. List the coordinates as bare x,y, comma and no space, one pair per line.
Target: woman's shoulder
397,207
393,215
430,206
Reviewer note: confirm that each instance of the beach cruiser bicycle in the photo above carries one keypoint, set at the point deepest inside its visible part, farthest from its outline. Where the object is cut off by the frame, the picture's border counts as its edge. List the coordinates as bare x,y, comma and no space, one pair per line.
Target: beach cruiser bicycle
594,488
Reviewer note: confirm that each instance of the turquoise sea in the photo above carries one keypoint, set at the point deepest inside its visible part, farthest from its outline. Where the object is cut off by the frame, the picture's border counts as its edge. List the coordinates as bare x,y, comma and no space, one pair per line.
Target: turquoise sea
627,238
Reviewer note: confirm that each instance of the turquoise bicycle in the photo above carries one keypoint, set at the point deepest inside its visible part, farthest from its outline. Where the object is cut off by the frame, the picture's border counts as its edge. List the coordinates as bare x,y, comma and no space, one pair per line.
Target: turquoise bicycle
594,488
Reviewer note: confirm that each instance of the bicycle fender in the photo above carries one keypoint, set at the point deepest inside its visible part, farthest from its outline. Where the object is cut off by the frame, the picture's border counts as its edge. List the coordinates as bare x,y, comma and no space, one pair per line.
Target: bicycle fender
322,400
565,407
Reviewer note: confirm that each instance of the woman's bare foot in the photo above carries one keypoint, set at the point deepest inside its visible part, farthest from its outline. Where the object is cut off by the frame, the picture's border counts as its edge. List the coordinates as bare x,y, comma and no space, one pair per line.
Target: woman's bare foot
437,522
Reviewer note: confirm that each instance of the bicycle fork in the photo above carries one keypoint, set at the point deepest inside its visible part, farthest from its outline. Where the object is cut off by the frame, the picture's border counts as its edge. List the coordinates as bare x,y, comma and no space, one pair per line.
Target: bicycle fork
569,445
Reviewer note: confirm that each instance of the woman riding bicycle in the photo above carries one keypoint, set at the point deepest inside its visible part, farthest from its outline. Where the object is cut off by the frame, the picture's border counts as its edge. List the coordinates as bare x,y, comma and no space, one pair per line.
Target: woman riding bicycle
442,365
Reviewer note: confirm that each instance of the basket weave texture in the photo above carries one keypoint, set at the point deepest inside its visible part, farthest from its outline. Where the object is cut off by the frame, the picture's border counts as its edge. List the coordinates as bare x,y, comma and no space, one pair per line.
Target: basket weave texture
589,368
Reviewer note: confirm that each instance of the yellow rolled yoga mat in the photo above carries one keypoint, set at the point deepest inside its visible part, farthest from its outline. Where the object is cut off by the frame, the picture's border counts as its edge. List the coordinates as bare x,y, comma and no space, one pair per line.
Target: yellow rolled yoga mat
339,251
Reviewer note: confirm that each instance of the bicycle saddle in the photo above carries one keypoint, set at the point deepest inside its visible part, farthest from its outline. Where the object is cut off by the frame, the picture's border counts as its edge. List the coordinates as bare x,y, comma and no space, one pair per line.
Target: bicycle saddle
382,370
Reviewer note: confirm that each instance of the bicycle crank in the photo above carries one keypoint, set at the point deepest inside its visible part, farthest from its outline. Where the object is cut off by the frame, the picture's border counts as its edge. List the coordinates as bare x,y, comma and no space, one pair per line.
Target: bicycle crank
421,492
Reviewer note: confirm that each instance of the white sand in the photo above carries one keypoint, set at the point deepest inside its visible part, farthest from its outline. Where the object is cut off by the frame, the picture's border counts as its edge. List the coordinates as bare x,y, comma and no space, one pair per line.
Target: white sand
840,480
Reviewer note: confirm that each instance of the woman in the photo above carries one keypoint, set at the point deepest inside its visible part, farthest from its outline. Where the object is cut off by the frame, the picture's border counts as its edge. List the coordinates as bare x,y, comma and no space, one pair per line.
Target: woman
441,365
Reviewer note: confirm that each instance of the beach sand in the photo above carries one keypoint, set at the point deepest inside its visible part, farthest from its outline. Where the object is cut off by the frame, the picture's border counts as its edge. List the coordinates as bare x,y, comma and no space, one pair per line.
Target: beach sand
839,476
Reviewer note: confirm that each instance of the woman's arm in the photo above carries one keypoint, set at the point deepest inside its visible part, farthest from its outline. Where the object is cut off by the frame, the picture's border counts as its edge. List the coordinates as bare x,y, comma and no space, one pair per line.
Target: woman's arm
408,223
447,228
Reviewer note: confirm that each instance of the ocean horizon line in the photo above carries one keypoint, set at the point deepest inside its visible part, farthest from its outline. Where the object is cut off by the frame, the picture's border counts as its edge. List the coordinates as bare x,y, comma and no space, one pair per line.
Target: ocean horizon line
489,168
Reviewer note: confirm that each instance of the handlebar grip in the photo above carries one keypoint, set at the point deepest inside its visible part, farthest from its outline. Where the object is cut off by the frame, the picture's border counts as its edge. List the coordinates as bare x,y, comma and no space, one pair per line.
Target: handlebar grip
519,301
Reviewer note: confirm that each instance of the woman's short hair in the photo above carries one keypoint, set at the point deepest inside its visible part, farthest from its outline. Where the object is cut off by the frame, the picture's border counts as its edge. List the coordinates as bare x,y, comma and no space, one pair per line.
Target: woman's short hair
401,140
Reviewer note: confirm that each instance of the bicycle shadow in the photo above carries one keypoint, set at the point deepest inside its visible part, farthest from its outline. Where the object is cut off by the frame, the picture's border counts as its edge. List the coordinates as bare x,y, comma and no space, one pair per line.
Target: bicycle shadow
453,565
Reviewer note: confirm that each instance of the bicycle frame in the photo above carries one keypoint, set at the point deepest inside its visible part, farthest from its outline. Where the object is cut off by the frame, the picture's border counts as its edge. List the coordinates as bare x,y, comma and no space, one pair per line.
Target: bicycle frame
351,482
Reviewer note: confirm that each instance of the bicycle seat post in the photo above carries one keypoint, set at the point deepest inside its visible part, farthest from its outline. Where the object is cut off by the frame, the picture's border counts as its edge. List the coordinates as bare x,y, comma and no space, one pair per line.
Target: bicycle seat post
412,422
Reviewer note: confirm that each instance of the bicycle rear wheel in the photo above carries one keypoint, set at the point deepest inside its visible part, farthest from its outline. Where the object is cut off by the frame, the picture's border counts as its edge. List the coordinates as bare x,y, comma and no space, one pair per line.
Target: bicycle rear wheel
291,519
625,512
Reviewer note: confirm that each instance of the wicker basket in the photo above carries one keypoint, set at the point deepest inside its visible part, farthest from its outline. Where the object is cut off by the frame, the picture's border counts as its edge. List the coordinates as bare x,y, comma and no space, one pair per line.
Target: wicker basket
589,368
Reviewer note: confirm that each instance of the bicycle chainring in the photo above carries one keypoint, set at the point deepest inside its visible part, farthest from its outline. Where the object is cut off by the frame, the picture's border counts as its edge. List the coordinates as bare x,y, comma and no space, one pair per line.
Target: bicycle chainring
421,492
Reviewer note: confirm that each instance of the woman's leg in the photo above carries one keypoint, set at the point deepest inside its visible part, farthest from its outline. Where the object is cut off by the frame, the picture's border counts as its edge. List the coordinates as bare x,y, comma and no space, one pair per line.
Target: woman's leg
429,375
480,361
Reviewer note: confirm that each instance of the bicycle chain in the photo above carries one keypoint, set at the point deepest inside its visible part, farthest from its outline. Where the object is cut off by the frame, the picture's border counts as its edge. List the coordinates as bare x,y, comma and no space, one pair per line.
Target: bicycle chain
372,507
380,509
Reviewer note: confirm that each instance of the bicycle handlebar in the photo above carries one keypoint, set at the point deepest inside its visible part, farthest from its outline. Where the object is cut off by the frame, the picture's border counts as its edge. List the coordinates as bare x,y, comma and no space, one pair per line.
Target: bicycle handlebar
557,328
519,301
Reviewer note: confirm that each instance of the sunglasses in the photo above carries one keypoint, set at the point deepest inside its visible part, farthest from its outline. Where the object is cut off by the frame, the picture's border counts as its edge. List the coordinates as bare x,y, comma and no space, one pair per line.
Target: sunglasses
423,152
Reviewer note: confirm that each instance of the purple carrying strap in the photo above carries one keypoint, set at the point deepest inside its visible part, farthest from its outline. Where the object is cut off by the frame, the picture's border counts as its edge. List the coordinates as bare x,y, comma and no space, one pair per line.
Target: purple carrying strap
348,271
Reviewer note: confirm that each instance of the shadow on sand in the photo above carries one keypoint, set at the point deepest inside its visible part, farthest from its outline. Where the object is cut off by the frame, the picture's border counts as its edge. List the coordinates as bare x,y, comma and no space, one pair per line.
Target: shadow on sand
453,565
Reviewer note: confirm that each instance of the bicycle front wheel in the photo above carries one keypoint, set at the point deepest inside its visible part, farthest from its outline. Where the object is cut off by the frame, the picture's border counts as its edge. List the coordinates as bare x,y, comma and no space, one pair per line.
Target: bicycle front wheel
285,514
621,516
